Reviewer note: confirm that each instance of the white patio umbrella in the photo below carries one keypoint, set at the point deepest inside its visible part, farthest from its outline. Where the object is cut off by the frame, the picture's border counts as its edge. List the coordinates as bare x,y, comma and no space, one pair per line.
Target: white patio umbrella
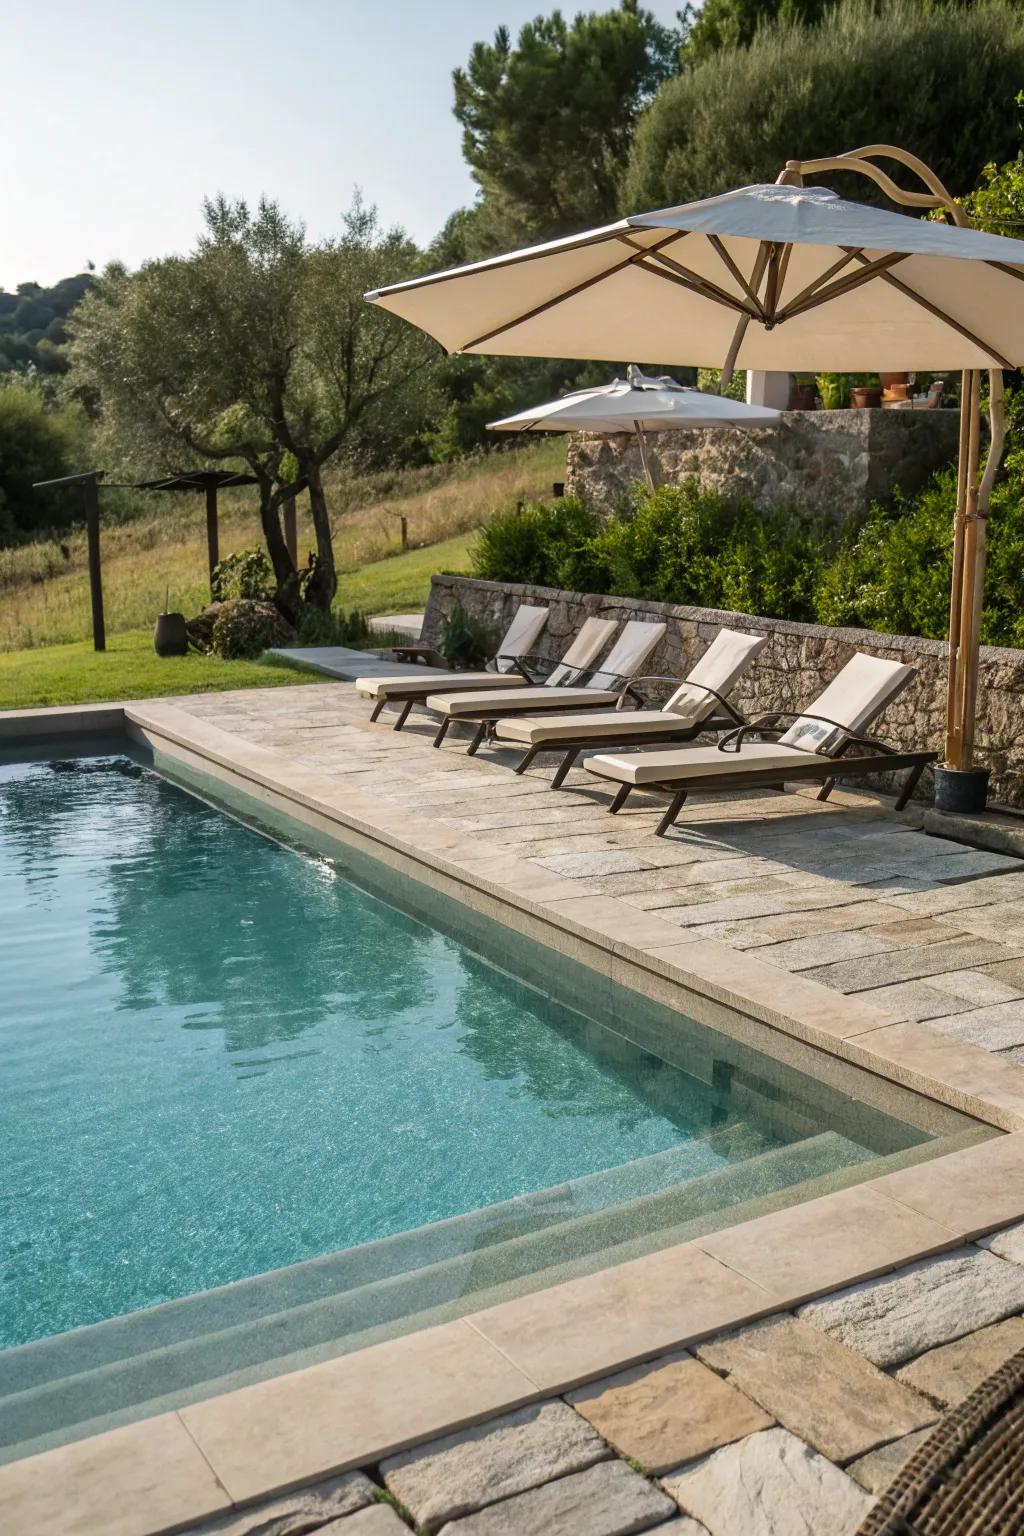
641,404
776,277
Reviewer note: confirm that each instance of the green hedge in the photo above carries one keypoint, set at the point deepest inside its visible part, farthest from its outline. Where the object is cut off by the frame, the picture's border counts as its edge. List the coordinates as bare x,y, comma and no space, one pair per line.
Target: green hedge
887,571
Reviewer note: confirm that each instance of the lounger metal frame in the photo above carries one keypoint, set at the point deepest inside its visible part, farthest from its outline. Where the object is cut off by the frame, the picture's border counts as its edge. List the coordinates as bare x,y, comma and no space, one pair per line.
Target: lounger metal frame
486,718
407,698
875,757
572,746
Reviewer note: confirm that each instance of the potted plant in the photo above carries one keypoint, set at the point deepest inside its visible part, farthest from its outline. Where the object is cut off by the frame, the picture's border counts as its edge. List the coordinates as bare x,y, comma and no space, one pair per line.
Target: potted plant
865,391
833,389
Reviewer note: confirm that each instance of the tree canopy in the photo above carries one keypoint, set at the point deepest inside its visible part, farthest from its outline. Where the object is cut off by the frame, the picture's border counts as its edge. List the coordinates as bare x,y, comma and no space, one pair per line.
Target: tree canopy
33,324
804,91
258,349
546,123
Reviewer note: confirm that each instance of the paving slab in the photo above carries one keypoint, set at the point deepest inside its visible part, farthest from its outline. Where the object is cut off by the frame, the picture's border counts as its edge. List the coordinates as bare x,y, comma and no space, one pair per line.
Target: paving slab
1008,1244
824,1392
939,996
607,1500
307,1508
998,1027
770,1484
463,1472
970,1191
909,964
900,1316
128,1482
378,1520
668,1413
948,1374
876,1470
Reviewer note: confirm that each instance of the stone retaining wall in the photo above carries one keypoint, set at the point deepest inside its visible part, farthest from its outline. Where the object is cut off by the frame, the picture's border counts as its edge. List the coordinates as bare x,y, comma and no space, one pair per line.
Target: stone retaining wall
791,670
835,462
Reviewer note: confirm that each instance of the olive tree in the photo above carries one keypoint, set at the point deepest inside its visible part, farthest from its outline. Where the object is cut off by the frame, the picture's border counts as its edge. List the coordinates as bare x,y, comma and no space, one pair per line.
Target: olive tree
257,349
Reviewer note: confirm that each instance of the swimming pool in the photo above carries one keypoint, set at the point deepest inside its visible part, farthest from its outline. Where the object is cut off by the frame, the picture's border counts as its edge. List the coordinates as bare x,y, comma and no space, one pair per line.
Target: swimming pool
264,1101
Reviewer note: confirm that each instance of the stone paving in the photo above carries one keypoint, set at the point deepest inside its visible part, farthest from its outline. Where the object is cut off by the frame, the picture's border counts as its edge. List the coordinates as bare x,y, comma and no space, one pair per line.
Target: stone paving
787,1427
844,893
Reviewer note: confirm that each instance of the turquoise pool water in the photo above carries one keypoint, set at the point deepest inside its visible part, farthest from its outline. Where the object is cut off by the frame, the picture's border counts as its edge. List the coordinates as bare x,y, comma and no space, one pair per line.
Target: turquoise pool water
224,1056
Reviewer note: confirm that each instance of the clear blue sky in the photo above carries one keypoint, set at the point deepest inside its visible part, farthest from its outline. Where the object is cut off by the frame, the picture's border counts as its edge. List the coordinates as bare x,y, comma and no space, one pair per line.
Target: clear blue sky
117,116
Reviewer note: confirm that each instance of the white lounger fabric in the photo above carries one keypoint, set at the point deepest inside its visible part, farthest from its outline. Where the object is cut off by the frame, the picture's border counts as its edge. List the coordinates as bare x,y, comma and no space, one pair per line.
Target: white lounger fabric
519,640
720,667
692,762
624,660
853,699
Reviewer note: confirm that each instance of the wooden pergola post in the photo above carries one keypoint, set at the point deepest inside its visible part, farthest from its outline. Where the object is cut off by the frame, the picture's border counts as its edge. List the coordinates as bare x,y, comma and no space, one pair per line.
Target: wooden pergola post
89,483
212,532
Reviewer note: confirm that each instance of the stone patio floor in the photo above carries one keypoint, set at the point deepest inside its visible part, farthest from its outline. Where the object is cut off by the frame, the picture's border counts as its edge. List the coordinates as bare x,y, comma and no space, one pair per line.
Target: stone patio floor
842,892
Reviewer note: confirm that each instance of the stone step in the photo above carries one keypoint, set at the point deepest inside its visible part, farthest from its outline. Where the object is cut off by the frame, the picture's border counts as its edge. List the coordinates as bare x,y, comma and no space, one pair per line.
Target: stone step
139,1365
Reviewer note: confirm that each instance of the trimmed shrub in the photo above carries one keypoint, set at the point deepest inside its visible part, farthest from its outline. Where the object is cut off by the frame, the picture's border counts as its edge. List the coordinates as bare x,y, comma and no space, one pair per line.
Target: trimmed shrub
536,543
243,628
247,574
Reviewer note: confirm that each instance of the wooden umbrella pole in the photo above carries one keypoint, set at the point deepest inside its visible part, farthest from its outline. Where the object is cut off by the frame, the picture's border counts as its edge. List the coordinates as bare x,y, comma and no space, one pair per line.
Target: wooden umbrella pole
971,643
954,721
970,616
645,459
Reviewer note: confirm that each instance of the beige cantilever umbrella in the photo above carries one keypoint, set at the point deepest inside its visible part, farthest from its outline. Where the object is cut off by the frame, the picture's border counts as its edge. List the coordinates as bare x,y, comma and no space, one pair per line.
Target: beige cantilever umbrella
637,404
781,277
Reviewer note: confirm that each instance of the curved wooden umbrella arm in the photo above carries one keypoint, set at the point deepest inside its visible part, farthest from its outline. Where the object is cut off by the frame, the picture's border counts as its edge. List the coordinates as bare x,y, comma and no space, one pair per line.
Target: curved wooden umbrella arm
861,161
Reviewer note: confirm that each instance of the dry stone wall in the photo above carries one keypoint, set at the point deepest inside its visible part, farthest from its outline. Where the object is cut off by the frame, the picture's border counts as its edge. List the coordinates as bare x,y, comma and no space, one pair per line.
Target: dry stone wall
834,462
795,665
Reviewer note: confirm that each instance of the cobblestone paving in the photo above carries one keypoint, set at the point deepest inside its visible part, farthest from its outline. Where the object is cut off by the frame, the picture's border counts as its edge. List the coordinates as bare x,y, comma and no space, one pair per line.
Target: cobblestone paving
787,1427
927,929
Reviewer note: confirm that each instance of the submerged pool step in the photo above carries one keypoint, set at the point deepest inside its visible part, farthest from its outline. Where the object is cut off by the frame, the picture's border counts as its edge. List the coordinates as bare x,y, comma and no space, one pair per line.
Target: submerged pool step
56,1392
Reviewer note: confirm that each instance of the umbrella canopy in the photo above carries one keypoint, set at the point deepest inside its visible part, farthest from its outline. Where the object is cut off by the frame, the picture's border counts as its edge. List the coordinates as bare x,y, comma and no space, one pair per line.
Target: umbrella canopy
775,277
639,404
829,282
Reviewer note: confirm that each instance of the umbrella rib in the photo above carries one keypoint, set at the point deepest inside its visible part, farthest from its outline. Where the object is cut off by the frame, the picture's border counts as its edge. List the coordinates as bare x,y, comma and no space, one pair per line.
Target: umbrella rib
568,293
820,280
869,271
940,314
672,272
719,248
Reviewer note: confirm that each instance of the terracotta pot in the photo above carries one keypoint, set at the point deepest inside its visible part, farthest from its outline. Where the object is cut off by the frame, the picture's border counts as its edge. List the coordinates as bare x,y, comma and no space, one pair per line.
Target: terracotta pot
896,392
889,379
863,397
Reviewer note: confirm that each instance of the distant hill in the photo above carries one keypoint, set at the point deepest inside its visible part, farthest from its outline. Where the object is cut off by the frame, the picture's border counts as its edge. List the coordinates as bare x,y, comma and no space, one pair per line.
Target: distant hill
32,323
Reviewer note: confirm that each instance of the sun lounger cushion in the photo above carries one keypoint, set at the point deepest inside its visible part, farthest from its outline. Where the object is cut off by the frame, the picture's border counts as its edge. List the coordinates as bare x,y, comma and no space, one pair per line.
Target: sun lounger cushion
521,635
693,763
583,652
604,722
629,652
455,704
852,699
720,667
418,685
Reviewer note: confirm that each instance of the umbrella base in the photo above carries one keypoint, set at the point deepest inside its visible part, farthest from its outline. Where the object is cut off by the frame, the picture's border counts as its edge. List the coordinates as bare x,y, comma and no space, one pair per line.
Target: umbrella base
961,790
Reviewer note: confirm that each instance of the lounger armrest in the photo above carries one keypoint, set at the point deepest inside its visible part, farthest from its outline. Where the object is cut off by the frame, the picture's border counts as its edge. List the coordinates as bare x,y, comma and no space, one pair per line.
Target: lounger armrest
529,667
734,741
872,743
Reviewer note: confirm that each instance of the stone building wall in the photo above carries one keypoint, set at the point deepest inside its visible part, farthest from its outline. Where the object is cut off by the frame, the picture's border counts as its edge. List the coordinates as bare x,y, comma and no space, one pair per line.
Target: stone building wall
791,670
836,462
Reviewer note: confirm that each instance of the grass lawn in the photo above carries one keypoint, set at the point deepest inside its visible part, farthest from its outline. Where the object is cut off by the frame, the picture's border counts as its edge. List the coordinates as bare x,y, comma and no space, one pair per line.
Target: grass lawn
128,669
402,583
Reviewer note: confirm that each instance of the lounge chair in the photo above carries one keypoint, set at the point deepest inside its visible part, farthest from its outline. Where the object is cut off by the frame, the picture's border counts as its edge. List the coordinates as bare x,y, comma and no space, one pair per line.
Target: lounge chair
826,743
603,687
700,704
506,669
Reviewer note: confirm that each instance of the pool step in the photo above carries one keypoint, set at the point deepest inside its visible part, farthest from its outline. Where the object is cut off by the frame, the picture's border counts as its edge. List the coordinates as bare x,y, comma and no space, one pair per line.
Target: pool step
128,1368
